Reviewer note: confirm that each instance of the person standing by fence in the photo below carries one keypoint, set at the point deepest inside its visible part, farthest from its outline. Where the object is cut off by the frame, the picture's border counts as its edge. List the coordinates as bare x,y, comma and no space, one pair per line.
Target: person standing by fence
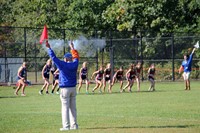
119,75
98,79
45,75
151,73
67,83
138,70
83,76
107,78
21,76
130,77
186,66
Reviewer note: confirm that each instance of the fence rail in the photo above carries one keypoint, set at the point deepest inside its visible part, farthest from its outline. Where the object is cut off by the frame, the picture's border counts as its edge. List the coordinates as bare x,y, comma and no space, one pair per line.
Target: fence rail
18,44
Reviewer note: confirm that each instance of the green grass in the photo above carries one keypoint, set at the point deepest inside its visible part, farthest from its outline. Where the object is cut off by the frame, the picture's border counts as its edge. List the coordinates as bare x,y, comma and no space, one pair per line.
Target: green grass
169,109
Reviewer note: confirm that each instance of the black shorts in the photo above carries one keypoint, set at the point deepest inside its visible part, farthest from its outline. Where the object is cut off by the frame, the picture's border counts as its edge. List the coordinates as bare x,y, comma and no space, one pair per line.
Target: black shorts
99,79
46,76
131,78
150,77
83,77
56,77
119,78
107,78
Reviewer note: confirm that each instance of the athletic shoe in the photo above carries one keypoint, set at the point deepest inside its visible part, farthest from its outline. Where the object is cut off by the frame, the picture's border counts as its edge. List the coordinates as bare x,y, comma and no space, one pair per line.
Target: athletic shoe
16,93
87,93
122,90
47,93
75,127
40,92
57,92
64,129
23,94
100,91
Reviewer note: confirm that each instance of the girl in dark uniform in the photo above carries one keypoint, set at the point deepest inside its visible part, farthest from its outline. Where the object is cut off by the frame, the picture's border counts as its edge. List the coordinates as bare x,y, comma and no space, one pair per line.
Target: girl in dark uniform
83,76
119,74
21,79
107,78
45,75
56,82
138,70
151,73
98,79
130,77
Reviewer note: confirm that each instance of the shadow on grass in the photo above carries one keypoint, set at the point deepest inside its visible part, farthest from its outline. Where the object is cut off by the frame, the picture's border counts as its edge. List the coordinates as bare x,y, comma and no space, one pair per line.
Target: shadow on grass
8,96
167,126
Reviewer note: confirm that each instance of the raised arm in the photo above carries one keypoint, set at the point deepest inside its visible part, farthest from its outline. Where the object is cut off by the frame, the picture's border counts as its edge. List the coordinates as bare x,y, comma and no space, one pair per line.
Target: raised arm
74,52
193,50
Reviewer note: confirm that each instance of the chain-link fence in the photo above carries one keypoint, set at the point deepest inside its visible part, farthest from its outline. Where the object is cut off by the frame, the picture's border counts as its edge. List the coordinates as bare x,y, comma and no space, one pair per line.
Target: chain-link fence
18,44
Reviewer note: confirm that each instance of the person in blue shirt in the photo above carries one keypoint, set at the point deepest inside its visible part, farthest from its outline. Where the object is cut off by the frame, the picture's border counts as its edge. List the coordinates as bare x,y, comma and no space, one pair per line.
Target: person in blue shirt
67,83
186,66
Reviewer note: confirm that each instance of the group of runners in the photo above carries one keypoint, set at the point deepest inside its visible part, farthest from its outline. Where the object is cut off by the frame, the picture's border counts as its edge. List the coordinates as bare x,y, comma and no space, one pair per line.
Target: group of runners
102,77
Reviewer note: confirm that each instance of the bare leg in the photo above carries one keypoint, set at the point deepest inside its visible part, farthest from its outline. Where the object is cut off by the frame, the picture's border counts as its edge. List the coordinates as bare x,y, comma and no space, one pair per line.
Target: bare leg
104,85
121,85
80,85
97,85
127,85
87,86
18,88
138,84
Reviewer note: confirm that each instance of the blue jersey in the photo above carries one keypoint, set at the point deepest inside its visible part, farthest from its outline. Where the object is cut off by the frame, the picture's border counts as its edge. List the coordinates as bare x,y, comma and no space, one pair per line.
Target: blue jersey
187,64
47,71
22,73
84,71
67,70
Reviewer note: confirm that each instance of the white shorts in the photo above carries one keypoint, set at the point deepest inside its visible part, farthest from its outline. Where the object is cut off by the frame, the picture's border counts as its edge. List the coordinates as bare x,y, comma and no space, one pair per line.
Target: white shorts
186,75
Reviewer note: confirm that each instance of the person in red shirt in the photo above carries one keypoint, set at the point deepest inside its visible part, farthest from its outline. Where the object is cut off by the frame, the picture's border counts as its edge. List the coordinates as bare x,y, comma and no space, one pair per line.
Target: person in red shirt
130,77
107,78
138,71
151,73
98,79
118,76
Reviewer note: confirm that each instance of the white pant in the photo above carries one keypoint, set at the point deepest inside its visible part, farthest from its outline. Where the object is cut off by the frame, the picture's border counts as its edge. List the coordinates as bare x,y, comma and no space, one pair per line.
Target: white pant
68,109
186,75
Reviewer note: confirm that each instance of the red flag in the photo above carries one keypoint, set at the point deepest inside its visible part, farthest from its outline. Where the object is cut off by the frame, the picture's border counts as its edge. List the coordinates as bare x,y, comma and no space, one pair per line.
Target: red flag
44,35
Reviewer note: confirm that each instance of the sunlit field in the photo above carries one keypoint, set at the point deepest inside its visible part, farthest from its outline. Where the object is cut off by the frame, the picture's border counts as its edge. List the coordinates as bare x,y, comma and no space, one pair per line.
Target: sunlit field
169,109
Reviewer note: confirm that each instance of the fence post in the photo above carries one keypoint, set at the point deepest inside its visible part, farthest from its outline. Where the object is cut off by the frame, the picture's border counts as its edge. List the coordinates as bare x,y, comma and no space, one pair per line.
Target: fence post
25,49
172,41
6,63
141,52
111,55
97,55
35,63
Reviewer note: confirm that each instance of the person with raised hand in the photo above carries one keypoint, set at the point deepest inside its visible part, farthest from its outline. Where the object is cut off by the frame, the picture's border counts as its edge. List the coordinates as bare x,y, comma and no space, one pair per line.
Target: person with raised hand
67,83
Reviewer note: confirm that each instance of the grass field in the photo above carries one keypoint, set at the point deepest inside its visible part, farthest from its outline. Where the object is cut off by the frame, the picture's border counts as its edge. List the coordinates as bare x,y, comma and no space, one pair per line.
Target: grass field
168,109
